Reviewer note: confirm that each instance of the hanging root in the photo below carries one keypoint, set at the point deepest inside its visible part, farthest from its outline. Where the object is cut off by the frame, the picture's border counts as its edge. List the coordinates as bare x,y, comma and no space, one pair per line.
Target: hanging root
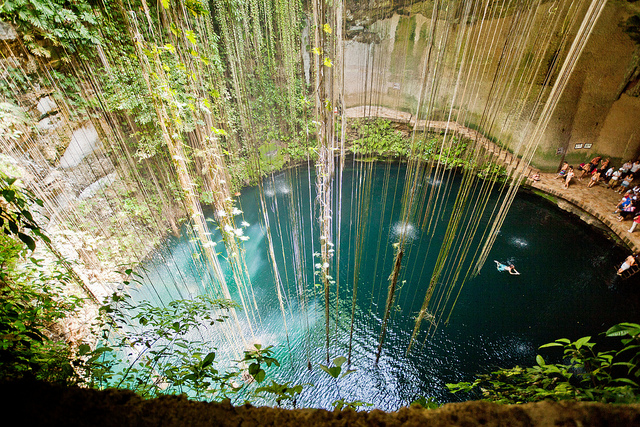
393,281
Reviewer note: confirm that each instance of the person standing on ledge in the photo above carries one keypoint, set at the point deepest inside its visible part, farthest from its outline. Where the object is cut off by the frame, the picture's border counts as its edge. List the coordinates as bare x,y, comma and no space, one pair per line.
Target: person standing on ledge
510,268
631,260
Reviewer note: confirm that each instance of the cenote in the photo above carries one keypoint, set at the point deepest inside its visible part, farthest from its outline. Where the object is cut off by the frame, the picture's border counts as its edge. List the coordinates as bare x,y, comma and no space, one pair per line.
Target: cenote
566,289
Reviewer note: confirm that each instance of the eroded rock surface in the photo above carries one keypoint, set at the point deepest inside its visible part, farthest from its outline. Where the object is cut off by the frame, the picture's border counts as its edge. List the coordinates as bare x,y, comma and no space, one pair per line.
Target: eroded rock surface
43,404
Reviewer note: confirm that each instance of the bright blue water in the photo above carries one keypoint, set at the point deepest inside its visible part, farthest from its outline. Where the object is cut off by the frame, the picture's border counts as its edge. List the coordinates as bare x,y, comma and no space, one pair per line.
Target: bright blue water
566,289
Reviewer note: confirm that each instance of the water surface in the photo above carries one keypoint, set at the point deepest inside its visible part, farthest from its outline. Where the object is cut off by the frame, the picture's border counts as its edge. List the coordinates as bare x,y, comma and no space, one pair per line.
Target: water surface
566,289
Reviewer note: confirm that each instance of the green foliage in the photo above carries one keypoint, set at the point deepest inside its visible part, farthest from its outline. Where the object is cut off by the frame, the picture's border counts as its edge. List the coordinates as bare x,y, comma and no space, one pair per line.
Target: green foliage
377,137
341,404
585,375
15,216
427,403
19,82
336,372
167,350
47,24
452,155
257,359
169,354
493,171
282,392
31,301
32,307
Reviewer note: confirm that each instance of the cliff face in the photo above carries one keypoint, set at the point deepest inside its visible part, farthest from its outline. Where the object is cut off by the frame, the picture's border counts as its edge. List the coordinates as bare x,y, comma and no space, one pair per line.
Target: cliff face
387,58
600,106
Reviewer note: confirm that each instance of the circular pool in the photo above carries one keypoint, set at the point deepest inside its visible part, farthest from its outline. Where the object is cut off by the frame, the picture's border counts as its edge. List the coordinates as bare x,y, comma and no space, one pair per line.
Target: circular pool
567,288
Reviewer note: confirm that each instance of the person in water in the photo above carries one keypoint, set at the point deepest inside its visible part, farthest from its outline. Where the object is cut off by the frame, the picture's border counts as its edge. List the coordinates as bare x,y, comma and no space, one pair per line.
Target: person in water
510,268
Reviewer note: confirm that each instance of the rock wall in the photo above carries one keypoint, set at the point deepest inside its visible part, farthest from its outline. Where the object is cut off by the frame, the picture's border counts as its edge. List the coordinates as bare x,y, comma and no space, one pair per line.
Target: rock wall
599,106
385,58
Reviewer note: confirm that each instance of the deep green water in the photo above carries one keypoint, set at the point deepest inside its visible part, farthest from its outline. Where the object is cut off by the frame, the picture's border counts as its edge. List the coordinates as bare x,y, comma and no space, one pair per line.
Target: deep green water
566,289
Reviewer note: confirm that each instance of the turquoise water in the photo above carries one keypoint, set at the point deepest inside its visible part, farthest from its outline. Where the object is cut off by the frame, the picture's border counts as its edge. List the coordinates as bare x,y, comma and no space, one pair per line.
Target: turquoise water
566,289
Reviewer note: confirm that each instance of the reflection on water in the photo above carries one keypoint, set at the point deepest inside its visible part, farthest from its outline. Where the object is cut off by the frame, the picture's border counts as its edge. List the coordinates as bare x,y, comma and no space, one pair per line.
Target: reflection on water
499,320
276,185
404,230
519,242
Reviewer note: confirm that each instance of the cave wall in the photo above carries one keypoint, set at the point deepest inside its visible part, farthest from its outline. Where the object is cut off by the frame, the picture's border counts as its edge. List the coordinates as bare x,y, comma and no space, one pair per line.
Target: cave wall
592,111
385,59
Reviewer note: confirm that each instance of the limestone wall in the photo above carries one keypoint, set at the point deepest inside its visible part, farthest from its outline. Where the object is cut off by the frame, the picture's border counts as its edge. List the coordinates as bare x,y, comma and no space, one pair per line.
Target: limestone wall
385,60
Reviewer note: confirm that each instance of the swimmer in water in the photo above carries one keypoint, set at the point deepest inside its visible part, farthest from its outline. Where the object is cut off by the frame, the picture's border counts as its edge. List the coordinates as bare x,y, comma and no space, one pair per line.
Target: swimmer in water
510,268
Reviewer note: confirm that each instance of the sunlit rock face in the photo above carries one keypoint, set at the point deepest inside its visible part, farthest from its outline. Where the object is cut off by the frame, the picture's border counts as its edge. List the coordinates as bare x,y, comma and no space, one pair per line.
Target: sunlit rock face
7,32
84,141
388,58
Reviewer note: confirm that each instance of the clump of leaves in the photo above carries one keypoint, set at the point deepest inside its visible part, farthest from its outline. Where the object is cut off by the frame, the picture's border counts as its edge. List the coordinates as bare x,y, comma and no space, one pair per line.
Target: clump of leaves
31,308
426,403
585,375
15,215
52,23
257,359
165,348
336,372
282,392
378,137
32,303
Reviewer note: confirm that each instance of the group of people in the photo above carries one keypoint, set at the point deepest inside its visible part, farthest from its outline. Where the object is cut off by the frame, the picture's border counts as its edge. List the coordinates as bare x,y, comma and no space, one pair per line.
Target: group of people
598,169
629,207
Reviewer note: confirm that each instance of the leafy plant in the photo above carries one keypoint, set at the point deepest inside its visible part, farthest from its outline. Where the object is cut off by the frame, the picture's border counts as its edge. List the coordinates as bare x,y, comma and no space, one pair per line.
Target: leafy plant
52,23
32,303
257,359
585,375
167,351
336,372
282,392
427,403
32,345
378,137
15,215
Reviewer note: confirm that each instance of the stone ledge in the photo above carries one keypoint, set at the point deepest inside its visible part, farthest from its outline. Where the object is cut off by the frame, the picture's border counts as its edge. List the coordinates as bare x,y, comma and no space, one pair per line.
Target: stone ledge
44,404
598,201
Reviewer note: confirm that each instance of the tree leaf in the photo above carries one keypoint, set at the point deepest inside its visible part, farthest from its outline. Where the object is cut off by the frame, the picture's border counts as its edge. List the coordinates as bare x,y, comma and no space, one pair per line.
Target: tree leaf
208,360
191,36
326,369
31,244
260,375
582,341
551,344
626,381
9,195
339,361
